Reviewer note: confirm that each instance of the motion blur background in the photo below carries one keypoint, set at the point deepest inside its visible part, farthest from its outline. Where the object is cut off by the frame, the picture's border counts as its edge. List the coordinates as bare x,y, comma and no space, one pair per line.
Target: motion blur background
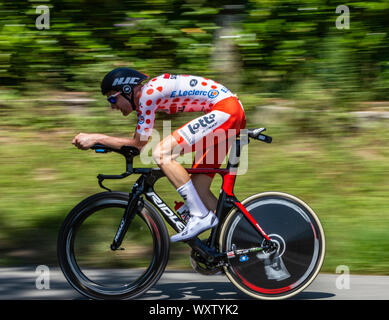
317,81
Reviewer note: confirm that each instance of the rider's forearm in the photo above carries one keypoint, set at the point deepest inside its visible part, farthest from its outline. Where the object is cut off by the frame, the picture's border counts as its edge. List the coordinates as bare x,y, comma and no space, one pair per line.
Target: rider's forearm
117,143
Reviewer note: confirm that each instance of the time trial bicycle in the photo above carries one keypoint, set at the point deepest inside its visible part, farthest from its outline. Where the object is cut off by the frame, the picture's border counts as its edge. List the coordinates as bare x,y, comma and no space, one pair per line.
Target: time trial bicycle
115,245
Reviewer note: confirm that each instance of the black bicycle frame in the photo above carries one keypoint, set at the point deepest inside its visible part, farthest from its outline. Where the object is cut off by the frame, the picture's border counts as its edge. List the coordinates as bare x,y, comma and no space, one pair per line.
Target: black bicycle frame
145,186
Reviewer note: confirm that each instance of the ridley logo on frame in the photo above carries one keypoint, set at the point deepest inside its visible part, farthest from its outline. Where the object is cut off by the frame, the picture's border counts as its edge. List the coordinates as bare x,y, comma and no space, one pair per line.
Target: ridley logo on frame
166,211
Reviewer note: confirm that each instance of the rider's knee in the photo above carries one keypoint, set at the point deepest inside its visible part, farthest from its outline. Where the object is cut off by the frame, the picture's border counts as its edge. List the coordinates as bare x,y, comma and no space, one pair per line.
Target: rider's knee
158,154
166,151
162,154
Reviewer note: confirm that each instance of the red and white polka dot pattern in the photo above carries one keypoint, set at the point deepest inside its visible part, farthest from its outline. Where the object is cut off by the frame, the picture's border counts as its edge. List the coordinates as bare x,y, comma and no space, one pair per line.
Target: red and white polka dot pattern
177,93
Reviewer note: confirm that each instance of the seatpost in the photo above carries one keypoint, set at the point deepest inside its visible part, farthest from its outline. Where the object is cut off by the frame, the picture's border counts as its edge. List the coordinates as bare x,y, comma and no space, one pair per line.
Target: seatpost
240,142
129,165
234,157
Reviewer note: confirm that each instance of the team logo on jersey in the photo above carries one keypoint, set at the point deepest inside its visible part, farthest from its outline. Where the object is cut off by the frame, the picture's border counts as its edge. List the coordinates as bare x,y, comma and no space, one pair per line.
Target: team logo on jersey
202,126
141,120
183,93
201,122
213,94
193,82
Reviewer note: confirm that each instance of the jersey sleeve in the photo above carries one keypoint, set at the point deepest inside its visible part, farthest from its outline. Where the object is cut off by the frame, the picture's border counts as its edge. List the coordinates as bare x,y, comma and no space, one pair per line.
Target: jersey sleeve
148,101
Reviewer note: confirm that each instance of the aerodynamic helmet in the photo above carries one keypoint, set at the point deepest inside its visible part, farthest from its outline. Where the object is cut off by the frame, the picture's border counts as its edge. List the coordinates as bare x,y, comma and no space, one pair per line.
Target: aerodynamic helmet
122,79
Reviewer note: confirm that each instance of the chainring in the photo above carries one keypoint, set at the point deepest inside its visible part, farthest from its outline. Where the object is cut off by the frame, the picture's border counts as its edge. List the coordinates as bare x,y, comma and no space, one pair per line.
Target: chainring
201,266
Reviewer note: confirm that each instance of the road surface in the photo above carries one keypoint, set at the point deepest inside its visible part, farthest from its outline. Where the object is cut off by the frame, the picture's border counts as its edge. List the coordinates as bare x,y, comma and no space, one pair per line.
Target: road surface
25,283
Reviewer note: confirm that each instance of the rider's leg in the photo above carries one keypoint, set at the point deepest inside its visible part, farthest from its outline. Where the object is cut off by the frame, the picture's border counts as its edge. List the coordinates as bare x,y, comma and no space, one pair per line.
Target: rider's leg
226,114
201,218
209,157
202,183
165,155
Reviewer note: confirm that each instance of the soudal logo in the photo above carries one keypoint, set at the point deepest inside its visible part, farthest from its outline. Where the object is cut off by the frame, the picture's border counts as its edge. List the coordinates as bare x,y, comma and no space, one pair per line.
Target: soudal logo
203,122
123,80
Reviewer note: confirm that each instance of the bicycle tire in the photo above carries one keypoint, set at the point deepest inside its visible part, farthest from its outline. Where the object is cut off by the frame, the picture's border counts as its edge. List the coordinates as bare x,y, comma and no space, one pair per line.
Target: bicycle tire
301,246
84,280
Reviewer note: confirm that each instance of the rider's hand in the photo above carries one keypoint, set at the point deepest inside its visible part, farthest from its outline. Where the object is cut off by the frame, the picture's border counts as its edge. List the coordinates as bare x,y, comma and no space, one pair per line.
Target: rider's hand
84,140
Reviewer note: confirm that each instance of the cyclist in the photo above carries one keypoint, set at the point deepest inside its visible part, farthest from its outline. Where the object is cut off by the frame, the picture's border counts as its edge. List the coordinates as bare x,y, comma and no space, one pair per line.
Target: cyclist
208,134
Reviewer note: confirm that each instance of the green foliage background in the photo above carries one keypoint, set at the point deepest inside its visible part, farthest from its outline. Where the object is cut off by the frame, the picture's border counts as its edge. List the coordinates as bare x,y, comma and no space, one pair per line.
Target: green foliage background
295,72
282,46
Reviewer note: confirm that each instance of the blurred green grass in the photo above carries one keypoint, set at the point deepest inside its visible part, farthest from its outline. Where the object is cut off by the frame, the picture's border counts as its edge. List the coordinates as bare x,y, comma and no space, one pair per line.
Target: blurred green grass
321,152
333,162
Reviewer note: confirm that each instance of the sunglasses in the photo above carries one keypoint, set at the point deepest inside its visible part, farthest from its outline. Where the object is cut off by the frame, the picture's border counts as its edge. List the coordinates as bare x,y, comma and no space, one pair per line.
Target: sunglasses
113,98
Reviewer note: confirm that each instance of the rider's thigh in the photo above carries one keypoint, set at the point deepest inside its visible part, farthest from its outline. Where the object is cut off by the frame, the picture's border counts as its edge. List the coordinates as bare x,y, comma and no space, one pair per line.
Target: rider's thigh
211,135
224,121
212,156
168,149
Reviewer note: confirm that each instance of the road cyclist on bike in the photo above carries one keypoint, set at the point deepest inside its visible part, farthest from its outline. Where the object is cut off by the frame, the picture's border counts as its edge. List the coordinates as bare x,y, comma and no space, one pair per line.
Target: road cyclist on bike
207,135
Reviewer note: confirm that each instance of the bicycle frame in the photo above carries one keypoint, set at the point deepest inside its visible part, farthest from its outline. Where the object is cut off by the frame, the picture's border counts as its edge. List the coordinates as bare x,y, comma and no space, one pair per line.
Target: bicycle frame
227,200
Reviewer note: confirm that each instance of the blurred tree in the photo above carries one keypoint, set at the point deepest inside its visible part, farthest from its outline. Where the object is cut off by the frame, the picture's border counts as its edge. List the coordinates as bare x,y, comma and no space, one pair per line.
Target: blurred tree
284,44
274,47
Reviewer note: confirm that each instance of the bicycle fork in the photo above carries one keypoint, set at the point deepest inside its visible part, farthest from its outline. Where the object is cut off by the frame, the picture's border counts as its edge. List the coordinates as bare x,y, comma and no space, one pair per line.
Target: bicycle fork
134,205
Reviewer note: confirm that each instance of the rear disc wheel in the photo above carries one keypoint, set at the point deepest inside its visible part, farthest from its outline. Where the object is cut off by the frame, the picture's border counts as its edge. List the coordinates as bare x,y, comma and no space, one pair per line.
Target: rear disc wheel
298,253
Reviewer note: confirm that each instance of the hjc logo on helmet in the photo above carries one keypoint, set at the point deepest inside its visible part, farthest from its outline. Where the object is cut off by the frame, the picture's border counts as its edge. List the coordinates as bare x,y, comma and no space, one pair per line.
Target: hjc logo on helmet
203,122
128,80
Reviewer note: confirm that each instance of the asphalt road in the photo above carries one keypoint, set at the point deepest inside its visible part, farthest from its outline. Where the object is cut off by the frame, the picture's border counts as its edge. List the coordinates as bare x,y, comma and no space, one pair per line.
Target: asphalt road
25,283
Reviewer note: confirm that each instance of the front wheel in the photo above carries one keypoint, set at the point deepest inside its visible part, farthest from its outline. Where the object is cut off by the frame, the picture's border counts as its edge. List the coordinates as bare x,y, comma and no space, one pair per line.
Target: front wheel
298,253
86,258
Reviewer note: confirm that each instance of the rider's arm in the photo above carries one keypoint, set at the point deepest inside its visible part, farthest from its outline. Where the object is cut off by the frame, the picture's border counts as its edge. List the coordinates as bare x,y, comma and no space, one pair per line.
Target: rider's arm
152,96
85,141
117,143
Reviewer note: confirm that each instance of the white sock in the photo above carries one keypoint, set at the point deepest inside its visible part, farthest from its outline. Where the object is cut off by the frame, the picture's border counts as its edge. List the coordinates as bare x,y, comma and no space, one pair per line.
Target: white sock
192,199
